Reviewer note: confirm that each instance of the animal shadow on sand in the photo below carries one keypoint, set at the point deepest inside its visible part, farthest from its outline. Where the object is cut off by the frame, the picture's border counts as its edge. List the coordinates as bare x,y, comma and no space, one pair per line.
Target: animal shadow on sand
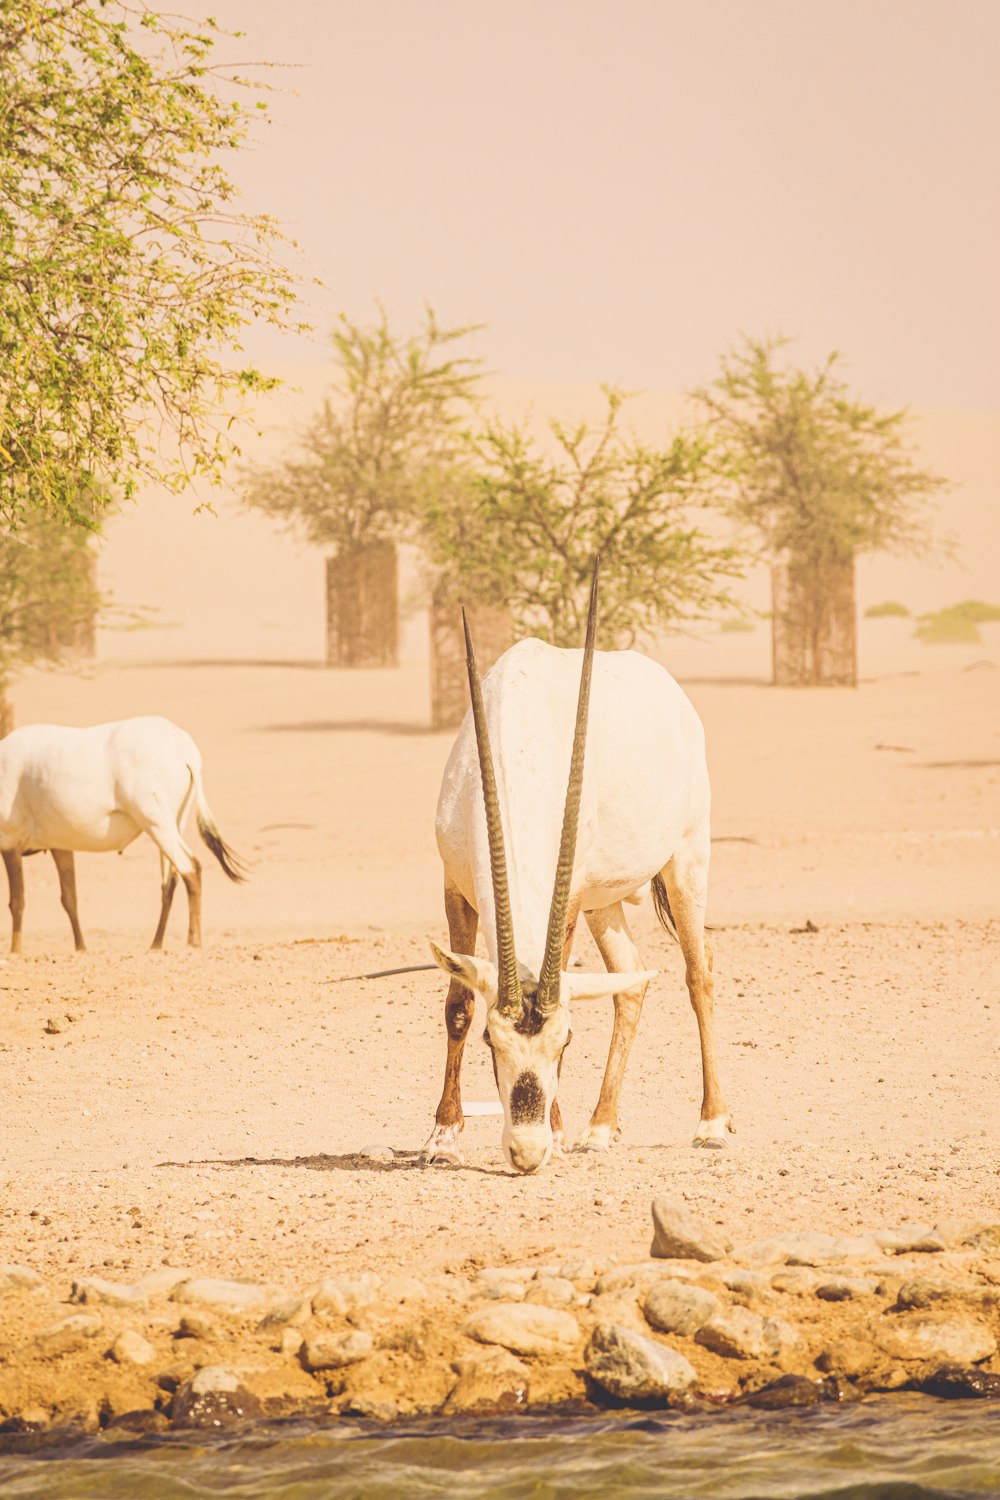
348,1161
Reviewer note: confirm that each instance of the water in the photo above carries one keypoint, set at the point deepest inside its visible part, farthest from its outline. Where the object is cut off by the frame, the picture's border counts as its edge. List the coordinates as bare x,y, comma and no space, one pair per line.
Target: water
906,1448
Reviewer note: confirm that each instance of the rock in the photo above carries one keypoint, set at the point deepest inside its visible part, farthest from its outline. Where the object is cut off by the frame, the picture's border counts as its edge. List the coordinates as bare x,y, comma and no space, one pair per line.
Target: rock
907,1238
523,1327
938,1340
19,1279
553,1291
221,1295
198,1325
633,1367
399,1289
54,1025
69,1334
130,1348
505,1273
214,1397
798,1282
921,1292
789,1338
738,1333
847,1356
581,1270
623,1278
500,1291
334,1351
751,1284
677,1307
162,1281
810,1248
845,1288
297,1309
144,1419
984,1237
788,1391
94,1289
343,1295
959,1381
291,1342
496,1383
678,1234
383,1155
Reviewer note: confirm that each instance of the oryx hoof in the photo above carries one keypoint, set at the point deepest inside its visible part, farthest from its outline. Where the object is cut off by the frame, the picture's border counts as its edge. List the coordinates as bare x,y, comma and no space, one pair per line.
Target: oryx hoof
558,1146
443,1147
596,1138
711,1134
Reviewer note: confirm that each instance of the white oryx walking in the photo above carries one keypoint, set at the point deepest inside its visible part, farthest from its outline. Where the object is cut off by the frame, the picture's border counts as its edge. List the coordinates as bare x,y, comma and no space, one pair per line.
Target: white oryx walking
531,818
96,789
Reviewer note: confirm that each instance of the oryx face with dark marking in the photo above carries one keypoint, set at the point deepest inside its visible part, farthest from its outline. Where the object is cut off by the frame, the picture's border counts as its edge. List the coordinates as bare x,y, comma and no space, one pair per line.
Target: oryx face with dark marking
528,1018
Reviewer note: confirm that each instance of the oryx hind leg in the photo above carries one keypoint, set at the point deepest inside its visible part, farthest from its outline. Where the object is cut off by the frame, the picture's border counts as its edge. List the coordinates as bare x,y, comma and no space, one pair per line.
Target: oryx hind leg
459,1005
15,880
686,880
614,941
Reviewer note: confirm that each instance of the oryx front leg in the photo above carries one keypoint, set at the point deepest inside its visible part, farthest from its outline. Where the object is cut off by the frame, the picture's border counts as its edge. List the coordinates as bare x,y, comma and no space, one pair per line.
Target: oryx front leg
15,880
459,1006
63,860
614,941
686,879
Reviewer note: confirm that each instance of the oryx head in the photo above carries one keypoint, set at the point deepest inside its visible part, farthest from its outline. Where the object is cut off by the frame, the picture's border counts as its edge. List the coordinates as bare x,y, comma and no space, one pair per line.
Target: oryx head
528,1020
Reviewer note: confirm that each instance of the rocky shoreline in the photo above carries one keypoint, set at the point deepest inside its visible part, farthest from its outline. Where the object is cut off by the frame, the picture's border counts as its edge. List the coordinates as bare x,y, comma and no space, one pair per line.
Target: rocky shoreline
792,1320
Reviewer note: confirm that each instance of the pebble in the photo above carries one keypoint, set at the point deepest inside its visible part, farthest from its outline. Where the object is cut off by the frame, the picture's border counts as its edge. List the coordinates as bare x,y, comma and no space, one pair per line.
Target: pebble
500,1291
633,1367
523,1327
676,1307
787,1392
333,1351
678,1234
798,1282
738,1333
130,1348
198,1325
54,1025
944,1342
554,1291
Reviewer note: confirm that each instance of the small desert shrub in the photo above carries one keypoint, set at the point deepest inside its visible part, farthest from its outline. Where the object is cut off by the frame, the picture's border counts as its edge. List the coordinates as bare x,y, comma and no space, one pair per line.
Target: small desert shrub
957,624
886,610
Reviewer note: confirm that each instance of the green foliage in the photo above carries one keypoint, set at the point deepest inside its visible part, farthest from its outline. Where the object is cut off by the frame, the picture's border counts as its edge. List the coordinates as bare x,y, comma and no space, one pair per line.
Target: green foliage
956,624
48,595
389,433
521,527
818,474
129,272
889,609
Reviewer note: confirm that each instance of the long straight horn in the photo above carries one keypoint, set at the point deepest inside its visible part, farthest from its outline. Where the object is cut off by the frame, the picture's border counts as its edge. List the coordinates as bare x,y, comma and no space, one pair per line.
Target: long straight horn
548,980
510,996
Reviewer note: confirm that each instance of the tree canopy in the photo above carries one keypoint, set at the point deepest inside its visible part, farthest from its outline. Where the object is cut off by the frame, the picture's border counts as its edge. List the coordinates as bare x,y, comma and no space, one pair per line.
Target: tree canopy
819,474
129,270
388,434
522,522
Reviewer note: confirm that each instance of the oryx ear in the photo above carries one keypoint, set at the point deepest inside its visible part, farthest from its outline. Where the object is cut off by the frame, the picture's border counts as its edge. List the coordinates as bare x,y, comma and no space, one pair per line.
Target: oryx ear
477,973
596,986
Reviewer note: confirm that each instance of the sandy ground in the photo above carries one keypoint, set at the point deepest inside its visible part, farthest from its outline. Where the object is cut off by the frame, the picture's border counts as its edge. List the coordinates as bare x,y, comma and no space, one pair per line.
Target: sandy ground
204,1109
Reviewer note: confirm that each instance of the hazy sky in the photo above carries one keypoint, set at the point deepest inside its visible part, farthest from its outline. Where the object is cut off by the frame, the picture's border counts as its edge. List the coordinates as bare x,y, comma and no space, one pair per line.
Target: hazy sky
617,189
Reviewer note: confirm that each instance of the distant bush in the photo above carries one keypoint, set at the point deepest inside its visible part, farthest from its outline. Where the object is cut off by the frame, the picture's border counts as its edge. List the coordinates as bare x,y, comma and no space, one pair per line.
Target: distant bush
957,624
885,611
737,625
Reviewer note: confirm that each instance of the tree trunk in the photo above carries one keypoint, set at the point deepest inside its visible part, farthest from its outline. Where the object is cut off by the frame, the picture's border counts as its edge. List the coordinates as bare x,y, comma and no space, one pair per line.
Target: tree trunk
6,712
492,632
362,608
814,624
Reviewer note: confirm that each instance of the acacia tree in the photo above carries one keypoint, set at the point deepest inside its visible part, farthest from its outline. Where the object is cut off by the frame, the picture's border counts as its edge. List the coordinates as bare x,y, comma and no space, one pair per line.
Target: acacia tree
522,523
48,595
513,532
821,477
129,271
387,436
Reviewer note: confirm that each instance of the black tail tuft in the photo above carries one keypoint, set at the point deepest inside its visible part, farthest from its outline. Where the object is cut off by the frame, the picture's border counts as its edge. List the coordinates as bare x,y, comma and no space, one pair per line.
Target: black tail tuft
661,905
234,867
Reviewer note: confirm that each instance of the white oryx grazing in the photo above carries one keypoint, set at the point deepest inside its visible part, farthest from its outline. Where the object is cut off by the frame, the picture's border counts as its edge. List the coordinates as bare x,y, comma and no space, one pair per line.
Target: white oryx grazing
511,830
97,789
